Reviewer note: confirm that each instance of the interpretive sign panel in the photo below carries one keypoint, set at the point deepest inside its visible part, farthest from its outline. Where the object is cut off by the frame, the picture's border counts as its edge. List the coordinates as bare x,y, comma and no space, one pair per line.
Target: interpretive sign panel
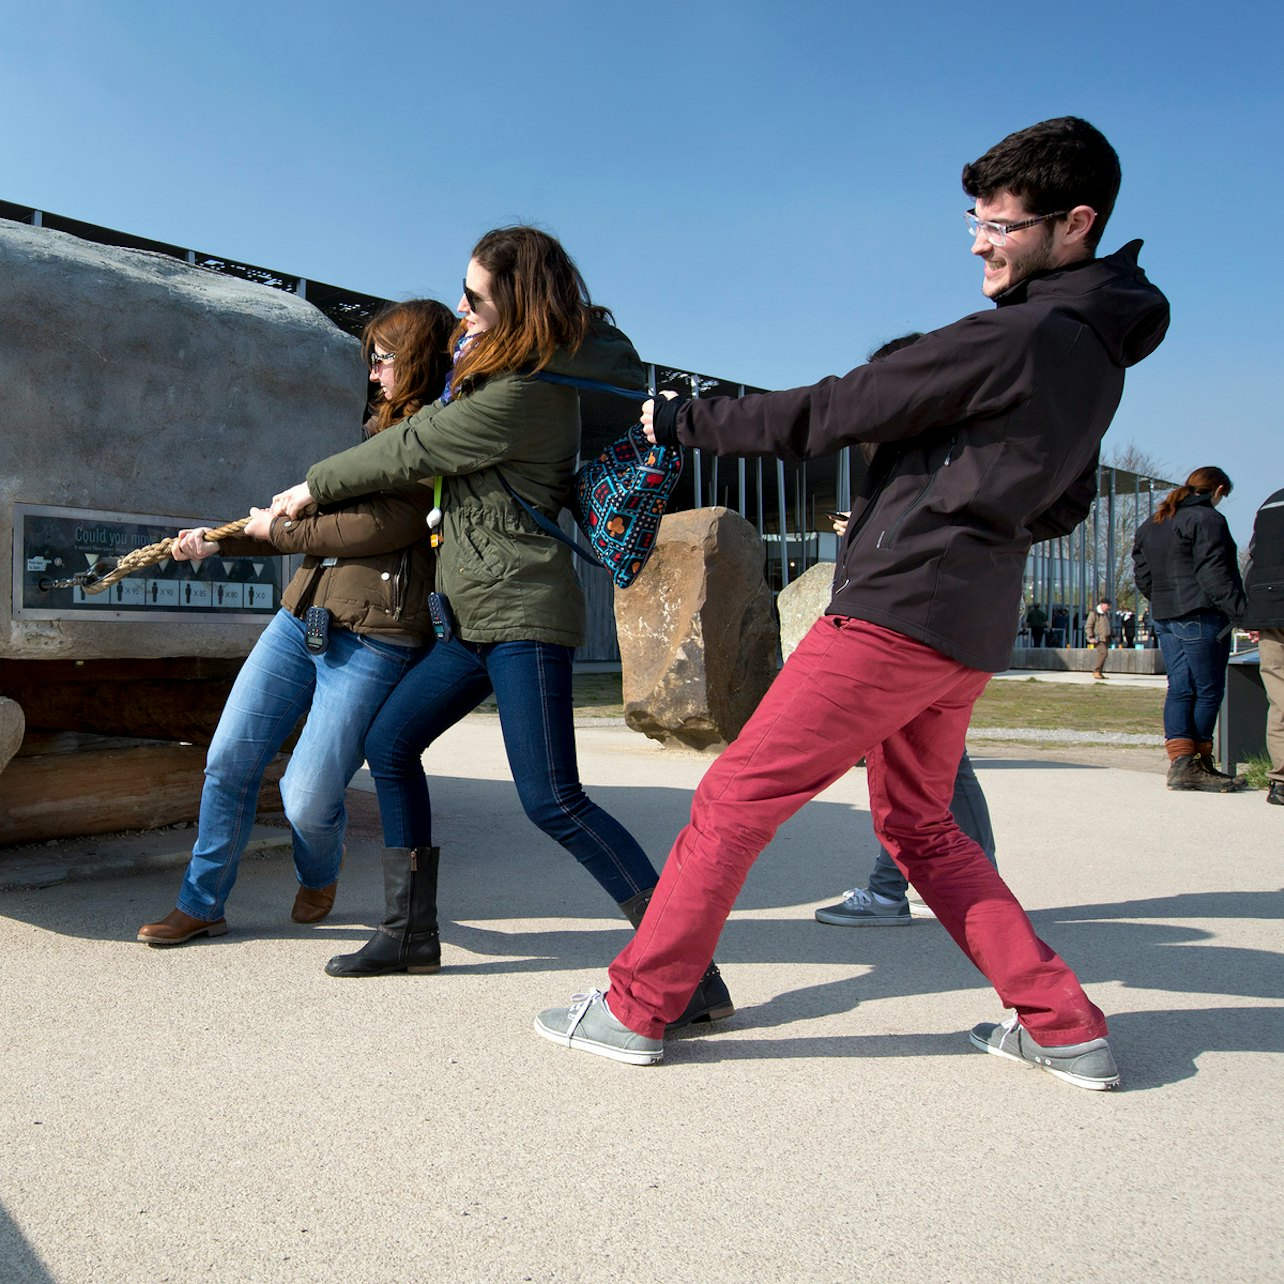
53,545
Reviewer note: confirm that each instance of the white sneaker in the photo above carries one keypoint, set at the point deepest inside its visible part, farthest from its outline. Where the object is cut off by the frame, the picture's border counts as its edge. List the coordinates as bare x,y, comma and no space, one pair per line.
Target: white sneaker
917,906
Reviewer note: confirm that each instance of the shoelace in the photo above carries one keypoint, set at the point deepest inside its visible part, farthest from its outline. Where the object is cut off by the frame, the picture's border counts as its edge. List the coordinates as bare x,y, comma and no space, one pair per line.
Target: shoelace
580,1004
858,897
1007,1027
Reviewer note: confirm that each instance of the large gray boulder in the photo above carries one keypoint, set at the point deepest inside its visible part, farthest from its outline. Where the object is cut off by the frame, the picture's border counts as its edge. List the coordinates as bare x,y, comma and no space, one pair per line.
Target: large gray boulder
697,632
137,386
802,602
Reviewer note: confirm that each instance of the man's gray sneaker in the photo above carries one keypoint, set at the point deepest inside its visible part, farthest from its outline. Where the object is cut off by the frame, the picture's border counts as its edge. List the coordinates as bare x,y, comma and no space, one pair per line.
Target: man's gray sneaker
858,908
588,1026
1086,1065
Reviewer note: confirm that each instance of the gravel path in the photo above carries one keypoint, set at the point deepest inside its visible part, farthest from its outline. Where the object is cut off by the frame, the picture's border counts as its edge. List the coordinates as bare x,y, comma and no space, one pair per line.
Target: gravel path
1064,737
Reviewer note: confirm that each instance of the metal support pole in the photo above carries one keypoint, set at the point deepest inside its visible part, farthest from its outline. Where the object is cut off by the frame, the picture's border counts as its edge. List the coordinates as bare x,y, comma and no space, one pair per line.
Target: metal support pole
784,522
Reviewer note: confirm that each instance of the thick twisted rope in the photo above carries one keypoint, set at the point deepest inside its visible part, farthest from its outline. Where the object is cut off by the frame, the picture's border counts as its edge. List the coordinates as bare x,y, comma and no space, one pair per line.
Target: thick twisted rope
153,553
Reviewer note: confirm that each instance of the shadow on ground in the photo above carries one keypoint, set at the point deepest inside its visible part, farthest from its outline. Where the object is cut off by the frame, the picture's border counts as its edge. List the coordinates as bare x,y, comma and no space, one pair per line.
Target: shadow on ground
501,878
18,1259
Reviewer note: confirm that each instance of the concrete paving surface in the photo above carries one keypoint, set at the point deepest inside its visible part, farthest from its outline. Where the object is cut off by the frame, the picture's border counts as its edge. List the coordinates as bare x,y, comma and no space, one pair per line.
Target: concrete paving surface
224,1111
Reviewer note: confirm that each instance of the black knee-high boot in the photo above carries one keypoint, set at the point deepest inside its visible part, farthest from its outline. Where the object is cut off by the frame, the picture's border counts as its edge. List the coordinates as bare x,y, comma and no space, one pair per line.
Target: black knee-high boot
711,1000
407,939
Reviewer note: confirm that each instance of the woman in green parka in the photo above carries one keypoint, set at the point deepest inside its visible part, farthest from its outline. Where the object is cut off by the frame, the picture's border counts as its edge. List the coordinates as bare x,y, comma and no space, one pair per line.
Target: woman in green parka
516,606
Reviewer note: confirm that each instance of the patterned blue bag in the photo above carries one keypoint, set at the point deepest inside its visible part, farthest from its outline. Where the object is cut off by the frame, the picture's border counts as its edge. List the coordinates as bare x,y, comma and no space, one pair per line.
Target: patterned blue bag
619,497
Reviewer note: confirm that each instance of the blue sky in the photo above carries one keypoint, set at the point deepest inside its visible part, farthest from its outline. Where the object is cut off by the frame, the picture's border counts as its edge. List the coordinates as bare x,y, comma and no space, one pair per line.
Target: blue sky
760,191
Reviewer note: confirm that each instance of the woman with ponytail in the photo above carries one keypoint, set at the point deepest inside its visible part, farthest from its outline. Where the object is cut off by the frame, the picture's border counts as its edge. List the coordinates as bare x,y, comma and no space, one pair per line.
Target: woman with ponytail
1186,563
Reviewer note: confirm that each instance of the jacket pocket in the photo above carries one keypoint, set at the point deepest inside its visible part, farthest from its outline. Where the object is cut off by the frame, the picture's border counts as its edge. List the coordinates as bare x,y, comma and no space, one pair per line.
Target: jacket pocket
486,555
888,535
1200,626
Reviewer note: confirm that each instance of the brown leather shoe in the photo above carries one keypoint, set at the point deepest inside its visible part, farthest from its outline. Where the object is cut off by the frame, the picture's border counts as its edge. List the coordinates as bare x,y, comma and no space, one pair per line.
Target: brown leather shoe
176,928
312,904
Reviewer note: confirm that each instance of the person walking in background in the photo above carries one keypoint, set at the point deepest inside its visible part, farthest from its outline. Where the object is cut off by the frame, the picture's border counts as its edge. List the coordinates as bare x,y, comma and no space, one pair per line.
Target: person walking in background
515,607
1036,620
1185,562
1060,627
1264,615
1128,627
1100,632
997,422
368,566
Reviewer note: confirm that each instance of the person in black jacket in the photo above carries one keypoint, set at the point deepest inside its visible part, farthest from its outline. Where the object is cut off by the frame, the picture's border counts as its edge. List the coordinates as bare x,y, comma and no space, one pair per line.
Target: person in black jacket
1185,561
997,420
1264,615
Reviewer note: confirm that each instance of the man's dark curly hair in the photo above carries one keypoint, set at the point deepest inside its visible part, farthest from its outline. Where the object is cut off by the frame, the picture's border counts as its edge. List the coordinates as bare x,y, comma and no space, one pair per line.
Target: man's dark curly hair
1054,165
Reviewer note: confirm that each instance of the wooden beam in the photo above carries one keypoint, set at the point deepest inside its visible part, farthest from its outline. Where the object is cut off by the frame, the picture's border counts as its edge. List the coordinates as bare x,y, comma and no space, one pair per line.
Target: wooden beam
104,791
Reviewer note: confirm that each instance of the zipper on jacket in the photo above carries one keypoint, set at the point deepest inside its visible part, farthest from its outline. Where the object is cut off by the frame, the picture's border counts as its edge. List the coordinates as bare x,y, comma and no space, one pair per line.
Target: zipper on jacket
887,537
849,542
397,583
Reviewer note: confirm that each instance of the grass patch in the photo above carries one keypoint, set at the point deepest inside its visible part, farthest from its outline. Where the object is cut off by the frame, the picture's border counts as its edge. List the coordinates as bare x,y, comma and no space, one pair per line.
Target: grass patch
1044,706
1064,706
599,695
595,695
1256,771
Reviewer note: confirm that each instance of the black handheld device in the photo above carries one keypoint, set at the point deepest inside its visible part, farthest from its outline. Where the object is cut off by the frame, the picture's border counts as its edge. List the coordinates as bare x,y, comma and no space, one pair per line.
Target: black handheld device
439,611
316,628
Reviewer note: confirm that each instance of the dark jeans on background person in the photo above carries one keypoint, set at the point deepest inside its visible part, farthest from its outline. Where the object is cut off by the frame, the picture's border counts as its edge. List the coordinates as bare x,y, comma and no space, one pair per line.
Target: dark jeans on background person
971,814
1196,648
532,684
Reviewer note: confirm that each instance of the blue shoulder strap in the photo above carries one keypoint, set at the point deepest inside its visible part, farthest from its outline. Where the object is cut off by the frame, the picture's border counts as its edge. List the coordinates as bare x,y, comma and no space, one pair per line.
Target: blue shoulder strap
593,385
547,526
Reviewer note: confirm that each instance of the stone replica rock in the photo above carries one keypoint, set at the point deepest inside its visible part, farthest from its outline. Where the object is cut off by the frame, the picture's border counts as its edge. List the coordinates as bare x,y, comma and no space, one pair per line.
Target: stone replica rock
697,631
801,602
132,383
139,393
12,727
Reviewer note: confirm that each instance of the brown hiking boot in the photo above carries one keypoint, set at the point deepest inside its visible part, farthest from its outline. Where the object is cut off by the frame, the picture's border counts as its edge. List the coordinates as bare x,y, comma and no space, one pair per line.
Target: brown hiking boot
1187,773
1232,782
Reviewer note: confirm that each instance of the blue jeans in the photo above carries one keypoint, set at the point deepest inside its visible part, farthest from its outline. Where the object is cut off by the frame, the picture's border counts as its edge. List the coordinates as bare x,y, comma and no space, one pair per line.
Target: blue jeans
344,686
532,683
1196,648
971,815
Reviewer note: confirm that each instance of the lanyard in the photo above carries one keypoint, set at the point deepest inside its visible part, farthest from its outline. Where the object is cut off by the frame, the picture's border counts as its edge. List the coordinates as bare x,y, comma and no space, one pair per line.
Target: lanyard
434,517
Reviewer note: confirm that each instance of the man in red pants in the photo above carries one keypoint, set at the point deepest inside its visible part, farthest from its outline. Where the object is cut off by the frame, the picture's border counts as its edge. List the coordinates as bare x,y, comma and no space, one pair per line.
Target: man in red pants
988,433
